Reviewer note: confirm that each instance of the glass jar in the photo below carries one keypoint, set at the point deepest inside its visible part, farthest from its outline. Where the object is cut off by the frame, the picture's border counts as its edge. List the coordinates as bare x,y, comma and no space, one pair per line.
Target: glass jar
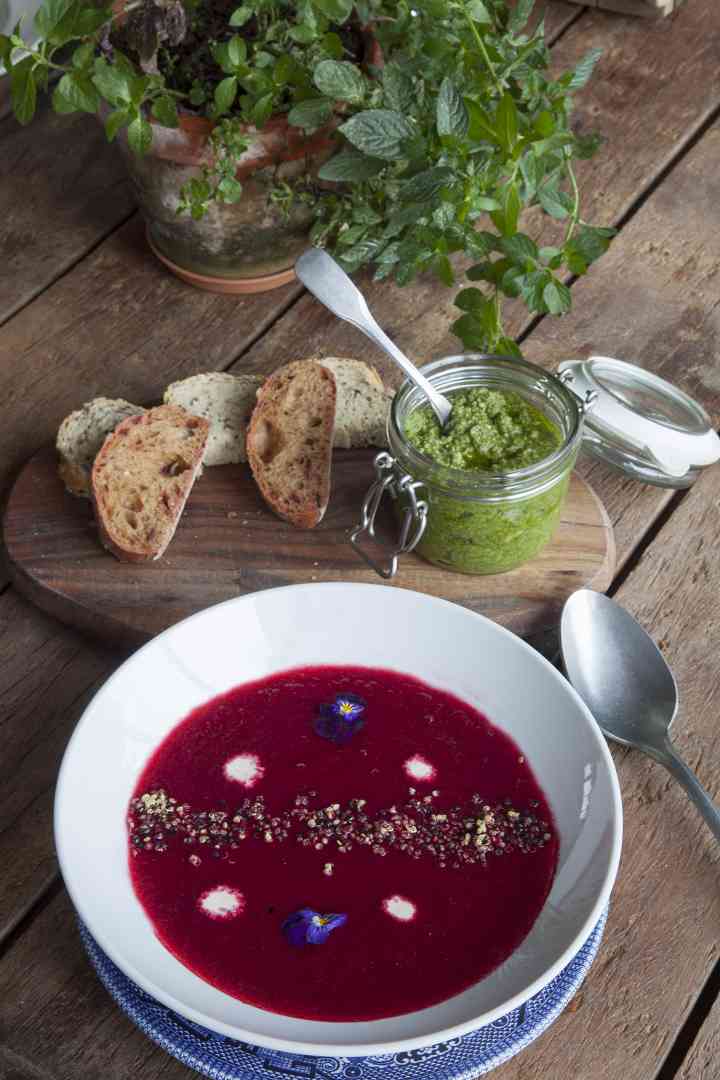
476,522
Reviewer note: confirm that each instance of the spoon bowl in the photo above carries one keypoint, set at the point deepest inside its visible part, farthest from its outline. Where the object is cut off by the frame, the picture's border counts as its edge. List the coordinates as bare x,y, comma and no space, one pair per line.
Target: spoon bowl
623,678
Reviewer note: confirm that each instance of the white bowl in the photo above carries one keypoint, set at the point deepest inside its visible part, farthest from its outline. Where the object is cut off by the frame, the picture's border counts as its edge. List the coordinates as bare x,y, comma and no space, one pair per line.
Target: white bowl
372,625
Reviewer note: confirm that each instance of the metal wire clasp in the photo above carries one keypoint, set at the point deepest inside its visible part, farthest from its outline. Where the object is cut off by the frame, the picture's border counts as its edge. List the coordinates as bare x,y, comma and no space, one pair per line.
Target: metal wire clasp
390,479
586,403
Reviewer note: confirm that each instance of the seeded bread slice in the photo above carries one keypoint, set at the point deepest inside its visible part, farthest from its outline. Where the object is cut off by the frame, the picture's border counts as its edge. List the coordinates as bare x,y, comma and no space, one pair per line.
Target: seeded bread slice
81,435
142,477
227,401
363,403
289,441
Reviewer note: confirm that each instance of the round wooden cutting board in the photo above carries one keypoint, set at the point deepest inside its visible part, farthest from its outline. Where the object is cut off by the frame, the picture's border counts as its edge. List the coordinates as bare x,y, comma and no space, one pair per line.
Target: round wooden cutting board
228,543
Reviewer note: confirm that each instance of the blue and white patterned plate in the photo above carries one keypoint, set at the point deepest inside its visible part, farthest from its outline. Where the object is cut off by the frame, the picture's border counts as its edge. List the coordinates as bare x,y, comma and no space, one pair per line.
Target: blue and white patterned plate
466,1058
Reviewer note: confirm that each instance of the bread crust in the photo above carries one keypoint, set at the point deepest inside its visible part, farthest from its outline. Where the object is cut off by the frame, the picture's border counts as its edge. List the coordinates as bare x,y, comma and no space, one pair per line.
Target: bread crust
166,468
289,441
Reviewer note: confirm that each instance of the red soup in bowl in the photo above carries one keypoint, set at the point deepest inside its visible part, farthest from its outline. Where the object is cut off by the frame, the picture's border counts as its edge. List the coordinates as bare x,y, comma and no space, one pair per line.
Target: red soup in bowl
340,843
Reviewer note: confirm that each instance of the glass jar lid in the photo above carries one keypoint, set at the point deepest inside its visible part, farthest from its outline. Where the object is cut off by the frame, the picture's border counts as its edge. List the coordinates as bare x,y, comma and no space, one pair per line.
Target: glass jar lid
641,424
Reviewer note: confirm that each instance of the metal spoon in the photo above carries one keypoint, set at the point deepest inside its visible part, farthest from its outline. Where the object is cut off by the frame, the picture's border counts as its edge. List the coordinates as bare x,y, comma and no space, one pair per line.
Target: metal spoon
621,675
322,276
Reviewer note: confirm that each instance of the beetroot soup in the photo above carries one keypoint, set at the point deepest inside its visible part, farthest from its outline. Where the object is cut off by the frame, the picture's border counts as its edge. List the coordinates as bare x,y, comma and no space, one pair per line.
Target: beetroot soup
340,843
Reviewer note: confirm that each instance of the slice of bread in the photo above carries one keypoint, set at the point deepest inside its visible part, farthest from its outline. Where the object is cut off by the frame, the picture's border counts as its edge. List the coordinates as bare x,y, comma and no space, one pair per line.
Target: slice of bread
142,477
363,403
289,441
227,401
81,435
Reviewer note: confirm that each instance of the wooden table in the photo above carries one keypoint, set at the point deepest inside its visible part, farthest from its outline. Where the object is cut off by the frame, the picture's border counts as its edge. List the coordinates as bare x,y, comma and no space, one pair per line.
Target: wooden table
85,310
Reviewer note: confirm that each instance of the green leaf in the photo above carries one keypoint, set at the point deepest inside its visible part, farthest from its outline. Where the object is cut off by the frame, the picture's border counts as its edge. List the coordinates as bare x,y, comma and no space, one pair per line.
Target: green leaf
557,297
443,269
478,12
506,122
484,202
544,125
506,219
112,82
310,114
332,44
378,132
6,51
241,15
229,189
164,110
507,347
115,121
50,15
397,88
139,134
81,22
590,243
61,105
424,185
262,110
520,15
350,165
84,55
225,94
236,50
480,126
338,11
340,81
303,35
23,91
555,203
469,299
78,90
583,71
451,114
520,248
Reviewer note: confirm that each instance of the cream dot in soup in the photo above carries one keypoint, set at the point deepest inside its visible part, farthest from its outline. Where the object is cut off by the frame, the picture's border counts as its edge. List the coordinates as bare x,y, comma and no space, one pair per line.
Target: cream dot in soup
244,769
221,902
400,908
417,768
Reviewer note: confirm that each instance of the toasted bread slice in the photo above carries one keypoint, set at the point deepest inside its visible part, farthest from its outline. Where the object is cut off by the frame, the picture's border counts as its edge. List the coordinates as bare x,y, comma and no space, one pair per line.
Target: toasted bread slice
227,401
81,435
142,477
363,403
289,441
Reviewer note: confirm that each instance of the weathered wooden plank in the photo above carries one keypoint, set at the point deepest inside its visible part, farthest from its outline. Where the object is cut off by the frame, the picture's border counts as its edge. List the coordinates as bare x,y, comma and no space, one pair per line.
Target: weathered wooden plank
46,678
663,934
702,1060
62,189
119,325
57,1020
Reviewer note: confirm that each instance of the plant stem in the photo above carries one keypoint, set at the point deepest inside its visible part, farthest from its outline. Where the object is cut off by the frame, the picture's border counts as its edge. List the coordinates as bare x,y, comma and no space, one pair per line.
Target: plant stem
481,45
575,216
44,60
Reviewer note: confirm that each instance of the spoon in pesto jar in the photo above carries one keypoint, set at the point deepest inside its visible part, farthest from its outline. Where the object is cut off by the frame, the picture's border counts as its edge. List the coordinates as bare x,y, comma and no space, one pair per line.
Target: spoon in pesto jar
329,283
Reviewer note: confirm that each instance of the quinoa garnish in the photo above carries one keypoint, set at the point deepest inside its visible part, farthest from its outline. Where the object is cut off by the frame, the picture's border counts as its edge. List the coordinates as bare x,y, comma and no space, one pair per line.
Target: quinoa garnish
453,836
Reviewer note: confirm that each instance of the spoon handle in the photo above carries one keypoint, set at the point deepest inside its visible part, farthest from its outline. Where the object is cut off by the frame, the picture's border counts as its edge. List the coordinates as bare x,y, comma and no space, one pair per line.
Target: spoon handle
327,281
687,778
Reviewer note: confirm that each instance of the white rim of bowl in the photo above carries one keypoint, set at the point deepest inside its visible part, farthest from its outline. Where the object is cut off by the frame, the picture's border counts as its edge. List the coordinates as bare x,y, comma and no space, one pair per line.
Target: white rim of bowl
349,1049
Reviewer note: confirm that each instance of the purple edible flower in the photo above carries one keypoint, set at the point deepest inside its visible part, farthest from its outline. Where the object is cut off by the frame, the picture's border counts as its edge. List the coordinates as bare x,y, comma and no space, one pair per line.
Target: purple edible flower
308,927
342,719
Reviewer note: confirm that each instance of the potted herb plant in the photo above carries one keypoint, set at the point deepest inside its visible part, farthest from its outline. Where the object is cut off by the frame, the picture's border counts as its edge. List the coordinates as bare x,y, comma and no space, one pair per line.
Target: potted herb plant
396,133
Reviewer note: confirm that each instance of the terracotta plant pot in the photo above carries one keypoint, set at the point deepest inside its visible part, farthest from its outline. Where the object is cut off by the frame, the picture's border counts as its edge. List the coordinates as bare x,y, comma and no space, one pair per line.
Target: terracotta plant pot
248,246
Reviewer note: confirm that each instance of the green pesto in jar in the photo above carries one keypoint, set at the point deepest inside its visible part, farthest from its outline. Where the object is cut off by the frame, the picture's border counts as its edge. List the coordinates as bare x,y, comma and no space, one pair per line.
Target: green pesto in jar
488,431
